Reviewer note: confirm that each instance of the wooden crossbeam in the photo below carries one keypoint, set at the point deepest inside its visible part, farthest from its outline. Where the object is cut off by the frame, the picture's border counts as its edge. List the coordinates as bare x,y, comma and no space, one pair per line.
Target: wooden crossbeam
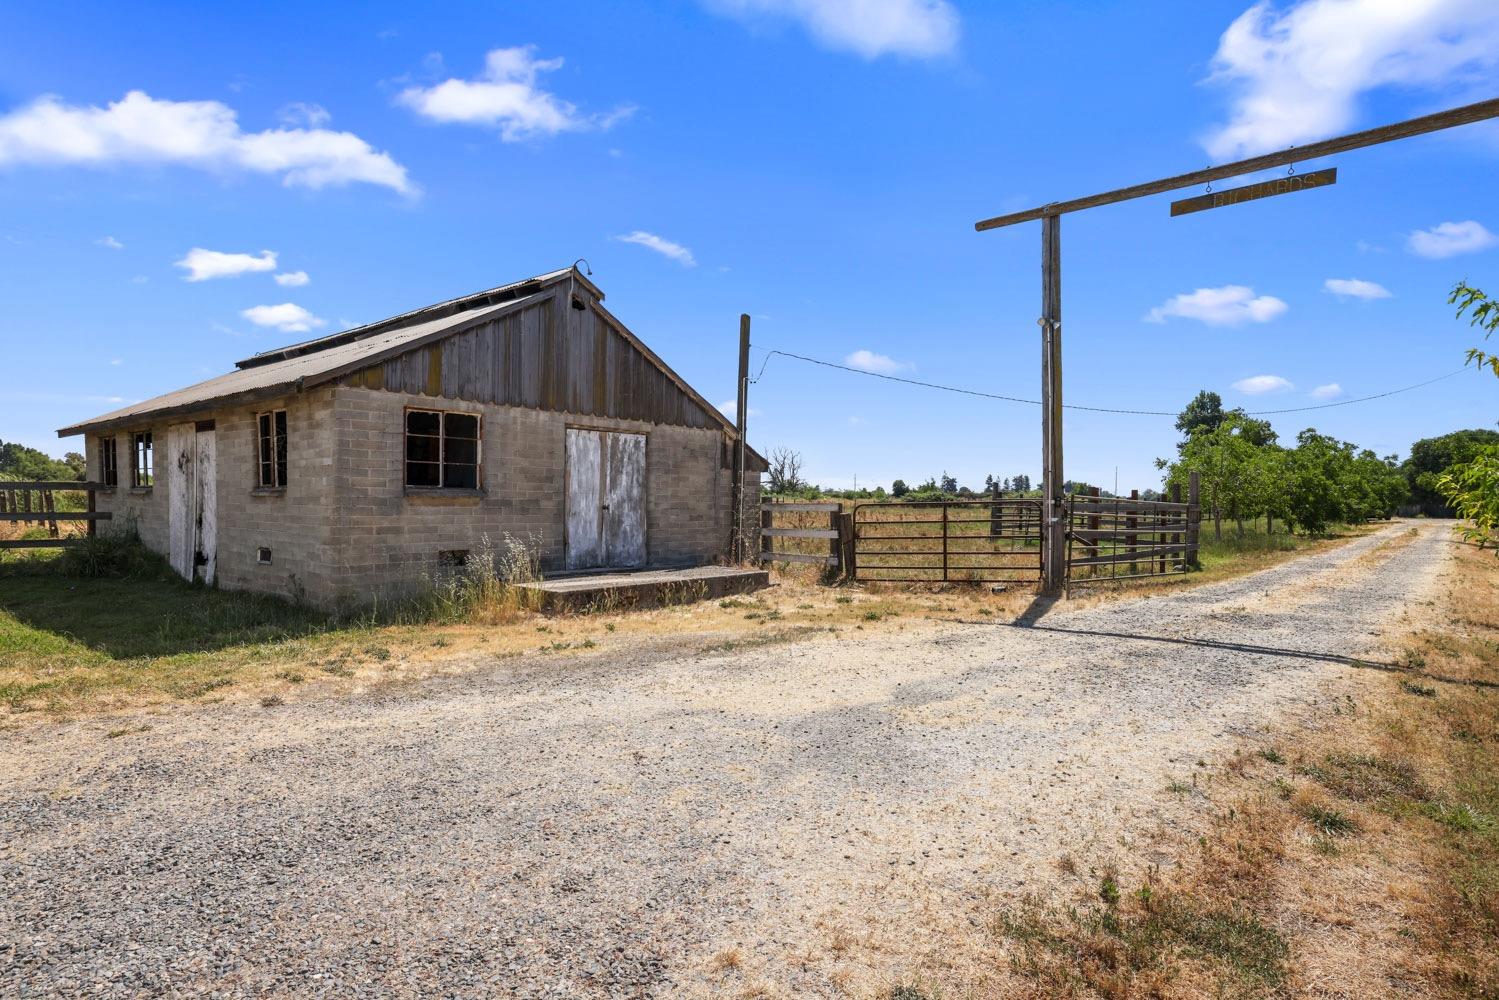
1465,115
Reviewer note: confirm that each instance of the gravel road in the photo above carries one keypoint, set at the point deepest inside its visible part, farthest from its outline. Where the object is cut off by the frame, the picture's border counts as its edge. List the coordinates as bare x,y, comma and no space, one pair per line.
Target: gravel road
804,818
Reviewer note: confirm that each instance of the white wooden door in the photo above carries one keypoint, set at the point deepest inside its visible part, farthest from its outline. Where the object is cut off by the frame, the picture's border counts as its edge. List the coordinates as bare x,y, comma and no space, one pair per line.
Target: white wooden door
624,501
206,513
192,501
181,466
605,499
585,488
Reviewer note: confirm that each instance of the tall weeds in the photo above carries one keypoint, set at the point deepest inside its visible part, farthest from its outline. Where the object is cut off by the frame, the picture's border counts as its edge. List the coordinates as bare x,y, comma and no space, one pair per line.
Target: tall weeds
486,589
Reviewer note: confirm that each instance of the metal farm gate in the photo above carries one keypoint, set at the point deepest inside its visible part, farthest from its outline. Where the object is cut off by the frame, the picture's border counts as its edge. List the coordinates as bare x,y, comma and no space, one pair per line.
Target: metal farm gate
1118,538
970,541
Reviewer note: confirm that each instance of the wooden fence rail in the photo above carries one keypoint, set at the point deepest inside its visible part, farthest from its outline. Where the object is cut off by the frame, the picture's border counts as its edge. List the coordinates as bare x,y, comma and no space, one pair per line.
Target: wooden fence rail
769,532
36,503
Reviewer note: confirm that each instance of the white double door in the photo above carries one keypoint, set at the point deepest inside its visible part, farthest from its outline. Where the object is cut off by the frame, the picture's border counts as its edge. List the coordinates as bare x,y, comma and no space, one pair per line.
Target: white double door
192,511
605,499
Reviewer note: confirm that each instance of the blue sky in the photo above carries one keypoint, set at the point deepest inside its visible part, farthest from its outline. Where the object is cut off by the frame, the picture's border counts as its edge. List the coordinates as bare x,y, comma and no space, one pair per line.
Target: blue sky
818,164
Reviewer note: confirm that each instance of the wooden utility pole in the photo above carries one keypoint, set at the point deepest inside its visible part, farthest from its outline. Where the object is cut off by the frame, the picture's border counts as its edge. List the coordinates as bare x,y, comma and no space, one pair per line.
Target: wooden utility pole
1054,523
741,417
1054,514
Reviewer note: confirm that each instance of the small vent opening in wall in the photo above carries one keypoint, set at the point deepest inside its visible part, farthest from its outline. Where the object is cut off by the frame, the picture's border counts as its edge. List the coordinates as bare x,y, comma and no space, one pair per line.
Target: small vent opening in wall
263,556
455,558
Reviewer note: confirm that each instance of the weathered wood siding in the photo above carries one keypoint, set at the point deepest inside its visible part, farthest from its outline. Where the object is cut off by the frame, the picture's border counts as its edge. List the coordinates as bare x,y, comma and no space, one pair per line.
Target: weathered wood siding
550,356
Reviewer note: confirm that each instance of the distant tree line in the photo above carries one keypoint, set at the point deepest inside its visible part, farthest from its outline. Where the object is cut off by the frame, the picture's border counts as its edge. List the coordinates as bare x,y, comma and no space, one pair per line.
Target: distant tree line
20,462
1245,473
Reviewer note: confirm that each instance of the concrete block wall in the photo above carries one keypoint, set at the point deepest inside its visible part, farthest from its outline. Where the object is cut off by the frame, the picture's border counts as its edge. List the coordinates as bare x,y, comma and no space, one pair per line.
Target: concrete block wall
389,537
143,511
346,532
295,523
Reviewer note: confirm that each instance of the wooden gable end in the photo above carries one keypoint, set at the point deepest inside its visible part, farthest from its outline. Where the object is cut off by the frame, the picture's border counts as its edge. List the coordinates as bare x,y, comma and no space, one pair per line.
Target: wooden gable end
549,356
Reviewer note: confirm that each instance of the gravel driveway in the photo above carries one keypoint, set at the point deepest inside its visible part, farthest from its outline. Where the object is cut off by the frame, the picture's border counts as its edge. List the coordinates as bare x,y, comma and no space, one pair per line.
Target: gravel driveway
804,817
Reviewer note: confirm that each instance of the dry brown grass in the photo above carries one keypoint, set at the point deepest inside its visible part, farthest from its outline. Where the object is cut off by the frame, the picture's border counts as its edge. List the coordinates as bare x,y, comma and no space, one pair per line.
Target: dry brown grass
1352,856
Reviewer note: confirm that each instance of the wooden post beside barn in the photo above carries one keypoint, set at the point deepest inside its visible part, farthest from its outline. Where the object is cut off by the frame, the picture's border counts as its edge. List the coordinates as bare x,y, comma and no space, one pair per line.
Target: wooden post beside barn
741,417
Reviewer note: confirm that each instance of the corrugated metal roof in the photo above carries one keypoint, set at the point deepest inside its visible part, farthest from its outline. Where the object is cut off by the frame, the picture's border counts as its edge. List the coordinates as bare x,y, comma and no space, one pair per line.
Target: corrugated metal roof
463,303
276,377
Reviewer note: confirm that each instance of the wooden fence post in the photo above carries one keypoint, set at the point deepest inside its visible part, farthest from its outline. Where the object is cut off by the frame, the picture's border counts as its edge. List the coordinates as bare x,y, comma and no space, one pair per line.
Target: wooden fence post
765,522
49,506
93,525
1132,540
944,543
1194,518
848,558
1175,539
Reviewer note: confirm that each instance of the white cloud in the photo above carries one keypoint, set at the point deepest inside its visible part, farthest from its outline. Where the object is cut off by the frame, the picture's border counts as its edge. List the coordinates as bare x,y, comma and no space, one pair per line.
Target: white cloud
880,364
203,134
292,279
1230,305
661,245
730,408
1297,72
506,95
201,265
1329,391
286,317
299,113
110,242
1356,288
1450,239
117,361
871,28
1258,385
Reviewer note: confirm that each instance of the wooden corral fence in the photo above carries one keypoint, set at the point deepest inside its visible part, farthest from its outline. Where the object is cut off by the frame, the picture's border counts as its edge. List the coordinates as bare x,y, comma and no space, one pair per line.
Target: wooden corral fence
1114,538
818,522
37,503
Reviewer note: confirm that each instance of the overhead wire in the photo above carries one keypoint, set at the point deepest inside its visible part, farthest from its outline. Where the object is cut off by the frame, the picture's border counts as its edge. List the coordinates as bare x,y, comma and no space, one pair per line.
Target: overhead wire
770,353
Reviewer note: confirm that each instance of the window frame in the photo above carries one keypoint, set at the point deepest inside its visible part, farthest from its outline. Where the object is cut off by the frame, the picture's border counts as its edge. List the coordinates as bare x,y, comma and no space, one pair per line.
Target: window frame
272,449
109,462
441,462
142,460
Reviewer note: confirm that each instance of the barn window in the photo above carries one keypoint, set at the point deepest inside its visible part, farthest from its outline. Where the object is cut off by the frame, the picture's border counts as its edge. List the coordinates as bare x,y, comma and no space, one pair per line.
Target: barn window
142,474
271,433
442,450
109,469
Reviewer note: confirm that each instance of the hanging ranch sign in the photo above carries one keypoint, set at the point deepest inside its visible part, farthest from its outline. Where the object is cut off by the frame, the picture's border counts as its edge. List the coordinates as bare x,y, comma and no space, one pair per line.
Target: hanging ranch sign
1253,192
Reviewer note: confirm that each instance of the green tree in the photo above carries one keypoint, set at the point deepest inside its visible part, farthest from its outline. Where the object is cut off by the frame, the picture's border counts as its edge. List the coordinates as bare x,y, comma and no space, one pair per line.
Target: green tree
1482,312
1313,482
20,462
899,488
1227,464
1204,412
1472,488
